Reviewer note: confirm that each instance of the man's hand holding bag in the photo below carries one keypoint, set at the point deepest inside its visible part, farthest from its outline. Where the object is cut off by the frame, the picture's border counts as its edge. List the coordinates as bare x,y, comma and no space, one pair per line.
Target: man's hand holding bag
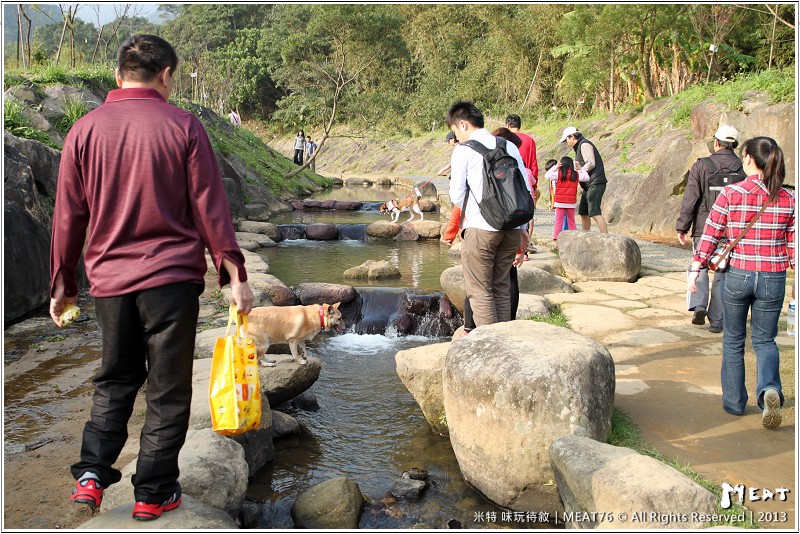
234,390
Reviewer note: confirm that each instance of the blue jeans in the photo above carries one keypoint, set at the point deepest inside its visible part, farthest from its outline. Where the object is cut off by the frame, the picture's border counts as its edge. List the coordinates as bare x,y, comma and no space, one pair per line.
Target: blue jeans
763,293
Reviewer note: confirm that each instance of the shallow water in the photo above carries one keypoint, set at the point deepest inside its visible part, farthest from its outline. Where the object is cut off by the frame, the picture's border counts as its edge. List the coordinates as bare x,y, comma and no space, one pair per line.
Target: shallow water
369,429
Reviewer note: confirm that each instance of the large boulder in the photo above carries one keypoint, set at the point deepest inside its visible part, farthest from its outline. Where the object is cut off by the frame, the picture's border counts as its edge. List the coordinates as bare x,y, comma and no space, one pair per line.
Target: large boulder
321,293
616,481
191,514
27,227
347,205
284,425
322,232
60,96
596,256
268,229
288,379
373,270
535,281
333,504
383,229
452,282
407,234
427,229
510,389
420,370
213,471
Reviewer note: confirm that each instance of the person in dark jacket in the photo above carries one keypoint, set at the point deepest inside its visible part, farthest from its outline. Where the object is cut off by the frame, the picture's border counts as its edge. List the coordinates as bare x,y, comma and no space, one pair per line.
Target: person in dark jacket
694,212
588,158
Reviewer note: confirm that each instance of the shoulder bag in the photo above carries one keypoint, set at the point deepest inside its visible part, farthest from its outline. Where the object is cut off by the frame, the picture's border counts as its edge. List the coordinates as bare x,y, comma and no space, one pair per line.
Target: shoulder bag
719,260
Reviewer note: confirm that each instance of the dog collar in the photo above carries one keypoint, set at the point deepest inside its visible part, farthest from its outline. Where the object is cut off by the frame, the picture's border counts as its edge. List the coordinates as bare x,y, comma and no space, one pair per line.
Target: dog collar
321,317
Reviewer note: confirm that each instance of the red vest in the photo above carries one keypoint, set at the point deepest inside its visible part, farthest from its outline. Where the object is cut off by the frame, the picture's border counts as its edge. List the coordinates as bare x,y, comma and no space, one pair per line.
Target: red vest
566,191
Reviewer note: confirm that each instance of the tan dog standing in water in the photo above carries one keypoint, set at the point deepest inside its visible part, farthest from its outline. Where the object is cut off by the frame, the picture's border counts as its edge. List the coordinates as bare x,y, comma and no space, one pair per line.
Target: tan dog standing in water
270,325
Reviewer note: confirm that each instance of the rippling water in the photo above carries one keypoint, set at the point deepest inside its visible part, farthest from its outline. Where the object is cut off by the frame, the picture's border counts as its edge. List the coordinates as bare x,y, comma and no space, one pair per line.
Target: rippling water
369,429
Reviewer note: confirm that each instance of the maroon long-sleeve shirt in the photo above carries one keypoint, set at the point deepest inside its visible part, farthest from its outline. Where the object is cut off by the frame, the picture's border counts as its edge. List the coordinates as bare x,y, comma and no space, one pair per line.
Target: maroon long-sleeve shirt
140,175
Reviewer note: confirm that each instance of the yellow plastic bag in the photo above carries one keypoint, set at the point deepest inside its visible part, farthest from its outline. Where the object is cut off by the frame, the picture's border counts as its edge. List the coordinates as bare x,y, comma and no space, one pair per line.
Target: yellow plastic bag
234,391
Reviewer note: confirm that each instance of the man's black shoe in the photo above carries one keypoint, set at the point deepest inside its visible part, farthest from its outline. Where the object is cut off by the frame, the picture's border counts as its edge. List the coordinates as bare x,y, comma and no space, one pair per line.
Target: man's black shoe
699,317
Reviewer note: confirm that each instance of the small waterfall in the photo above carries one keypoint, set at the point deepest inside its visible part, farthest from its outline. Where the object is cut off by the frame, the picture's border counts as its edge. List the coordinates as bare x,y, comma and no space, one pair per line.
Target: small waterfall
379,310
354,232
292,231
371,206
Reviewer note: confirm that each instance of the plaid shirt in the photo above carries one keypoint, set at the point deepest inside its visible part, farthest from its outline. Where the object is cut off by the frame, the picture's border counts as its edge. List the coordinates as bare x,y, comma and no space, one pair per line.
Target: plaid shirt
769,245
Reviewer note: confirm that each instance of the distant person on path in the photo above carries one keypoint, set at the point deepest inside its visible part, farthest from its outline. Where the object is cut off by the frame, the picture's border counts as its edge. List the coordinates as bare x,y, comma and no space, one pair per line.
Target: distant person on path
565,179
311,149
487,254
528,152
299,147
234,117
695,206
588,159
451,140
152,205
756,278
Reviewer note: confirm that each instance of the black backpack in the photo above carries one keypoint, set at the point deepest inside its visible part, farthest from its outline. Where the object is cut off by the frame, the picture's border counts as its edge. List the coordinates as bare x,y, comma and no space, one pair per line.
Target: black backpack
507,203
719,178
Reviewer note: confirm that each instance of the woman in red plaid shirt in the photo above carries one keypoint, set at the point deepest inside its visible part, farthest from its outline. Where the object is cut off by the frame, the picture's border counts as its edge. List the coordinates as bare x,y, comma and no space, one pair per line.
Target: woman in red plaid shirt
756,278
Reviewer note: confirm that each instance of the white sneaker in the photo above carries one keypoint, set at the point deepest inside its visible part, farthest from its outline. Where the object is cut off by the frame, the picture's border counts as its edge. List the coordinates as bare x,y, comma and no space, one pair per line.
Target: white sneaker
771,418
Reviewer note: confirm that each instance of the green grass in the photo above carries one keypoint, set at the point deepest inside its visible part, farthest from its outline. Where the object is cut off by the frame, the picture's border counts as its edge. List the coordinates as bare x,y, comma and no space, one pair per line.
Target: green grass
16,123
269,164
778,84
555,317
625,433
74,109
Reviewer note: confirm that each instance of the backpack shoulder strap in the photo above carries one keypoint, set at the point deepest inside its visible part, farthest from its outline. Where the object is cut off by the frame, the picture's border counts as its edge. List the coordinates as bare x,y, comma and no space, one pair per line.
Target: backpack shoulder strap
710,165
476,146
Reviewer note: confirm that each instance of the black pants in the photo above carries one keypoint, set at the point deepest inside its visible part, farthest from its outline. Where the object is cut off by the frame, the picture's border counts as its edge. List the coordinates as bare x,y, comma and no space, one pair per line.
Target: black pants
147,336
469,323
298,156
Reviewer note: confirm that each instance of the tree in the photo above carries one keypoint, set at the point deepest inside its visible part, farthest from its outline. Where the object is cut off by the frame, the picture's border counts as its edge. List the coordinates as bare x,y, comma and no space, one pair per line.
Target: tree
338,56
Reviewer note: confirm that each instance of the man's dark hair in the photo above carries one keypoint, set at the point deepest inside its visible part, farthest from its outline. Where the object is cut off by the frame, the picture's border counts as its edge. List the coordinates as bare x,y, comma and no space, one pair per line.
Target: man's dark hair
141,57
465,111
727,144
513,121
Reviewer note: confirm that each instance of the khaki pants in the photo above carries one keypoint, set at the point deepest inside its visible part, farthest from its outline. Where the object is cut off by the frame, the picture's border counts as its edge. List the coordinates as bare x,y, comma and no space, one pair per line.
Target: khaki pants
487,258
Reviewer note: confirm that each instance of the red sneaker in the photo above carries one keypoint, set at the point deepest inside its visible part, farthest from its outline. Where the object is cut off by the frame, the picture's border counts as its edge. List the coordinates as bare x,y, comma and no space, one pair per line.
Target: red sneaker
88,491
148,512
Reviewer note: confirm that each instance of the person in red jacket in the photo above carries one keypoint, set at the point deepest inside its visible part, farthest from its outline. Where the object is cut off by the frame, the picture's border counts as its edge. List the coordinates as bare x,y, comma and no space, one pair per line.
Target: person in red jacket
565,178
527,149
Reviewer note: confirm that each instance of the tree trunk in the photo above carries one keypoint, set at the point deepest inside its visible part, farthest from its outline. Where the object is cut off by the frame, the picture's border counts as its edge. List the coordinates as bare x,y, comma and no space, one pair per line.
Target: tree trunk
772,40
611,85
61,40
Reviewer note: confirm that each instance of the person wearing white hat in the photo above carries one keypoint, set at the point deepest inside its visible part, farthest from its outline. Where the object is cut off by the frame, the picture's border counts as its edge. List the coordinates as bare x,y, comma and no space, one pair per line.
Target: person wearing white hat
706,179
588,158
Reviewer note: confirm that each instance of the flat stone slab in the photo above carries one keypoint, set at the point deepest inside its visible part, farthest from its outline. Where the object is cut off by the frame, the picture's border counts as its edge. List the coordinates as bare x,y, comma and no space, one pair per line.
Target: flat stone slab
624,305
651,313
585,297
665,283
624,290
592,320
638,338
532,305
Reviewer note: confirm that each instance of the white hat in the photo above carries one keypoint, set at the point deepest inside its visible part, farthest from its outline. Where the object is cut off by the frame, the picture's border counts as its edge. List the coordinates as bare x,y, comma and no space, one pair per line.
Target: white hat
727,133
569,130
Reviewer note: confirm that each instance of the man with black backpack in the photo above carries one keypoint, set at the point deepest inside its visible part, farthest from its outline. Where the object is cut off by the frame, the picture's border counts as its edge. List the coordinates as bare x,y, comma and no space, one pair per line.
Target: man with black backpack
487,180
706,179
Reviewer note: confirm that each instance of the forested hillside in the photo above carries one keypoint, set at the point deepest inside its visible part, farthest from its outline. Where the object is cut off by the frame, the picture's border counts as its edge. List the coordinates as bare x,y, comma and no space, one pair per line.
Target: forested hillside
398,67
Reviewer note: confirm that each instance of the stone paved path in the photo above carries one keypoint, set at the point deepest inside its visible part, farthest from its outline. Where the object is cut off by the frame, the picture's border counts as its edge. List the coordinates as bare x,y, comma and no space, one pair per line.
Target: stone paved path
668,382
668,379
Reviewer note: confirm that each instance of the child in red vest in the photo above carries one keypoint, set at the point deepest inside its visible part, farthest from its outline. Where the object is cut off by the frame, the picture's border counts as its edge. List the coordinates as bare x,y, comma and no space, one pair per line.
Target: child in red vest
564,178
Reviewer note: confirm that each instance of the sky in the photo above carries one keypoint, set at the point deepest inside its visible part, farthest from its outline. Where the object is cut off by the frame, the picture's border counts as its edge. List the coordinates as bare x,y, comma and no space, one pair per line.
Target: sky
87,13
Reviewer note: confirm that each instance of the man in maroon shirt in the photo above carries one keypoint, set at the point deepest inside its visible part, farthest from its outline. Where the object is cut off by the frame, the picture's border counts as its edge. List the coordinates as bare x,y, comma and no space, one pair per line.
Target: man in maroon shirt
140,175
528,152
